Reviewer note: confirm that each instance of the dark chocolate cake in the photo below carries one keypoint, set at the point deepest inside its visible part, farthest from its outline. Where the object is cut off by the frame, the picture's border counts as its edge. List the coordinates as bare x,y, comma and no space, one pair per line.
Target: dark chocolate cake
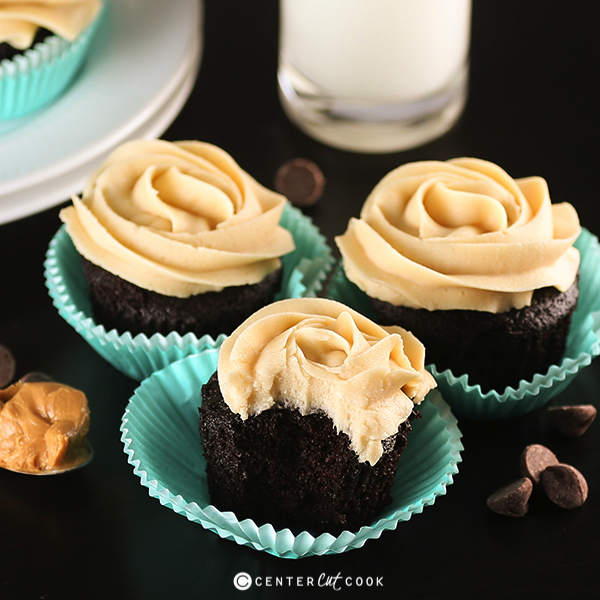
290,470
122,305
496,349
7,52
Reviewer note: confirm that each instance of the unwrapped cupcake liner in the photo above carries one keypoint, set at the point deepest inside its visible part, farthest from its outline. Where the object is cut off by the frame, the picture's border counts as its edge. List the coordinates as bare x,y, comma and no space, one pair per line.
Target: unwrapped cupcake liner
37,77
160,436
583,345
304,271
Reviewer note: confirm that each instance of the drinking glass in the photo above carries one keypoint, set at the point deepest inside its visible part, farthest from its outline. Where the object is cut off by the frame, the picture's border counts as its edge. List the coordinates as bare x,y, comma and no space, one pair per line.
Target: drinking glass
374,75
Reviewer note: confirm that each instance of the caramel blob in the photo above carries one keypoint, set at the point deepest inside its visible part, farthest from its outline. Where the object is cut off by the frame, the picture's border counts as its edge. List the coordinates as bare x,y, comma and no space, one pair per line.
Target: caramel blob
43,427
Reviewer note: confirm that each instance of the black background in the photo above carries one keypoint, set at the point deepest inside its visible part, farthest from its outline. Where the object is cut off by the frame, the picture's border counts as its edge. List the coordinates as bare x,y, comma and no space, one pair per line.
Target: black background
96,533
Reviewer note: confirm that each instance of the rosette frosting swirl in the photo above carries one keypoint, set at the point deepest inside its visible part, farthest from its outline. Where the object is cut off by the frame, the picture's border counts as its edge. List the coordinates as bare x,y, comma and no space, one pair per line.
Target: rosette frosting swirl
178,218
20,19
315,354
460,234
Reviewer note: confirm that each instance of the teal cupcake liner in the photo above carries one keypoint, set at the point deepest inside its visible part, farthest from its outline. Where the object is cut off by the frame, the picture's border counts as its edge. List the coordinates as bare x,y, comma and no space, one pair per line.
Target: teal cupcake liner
160,436
583,345
304,271
34,79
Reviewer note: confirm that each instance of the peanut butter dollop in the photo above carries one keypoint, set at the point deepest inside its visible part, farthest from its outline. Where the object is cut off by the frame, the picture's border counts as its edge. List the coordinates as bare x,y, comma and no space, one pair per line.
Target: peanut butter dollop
43,427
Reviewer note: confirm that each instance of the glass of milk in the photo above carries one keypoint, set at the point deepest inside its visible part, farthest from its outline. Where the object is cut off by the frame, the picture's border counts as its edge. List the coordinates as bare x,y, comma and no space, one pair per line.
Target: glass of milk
374,75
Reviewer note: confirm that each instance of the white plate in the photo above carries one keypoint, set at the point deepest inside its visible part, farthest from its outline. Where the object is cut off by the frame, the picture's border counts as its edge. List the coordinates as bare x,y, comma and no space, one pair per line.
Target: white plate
54,190
141,69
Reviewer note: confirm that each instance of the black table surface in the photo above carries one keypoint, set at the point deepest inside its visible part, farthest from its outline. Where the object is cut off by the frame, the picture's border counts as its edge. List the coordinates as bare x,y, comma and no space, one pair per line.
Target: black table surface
96,533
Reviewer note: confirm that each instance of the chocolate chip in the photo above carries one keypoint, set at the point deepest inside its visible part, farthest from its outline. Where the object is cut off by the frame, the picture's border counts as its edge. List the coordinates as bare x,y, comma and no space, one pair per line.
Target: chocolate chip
512,500
7,366
300,181
534,459
565,485
572,421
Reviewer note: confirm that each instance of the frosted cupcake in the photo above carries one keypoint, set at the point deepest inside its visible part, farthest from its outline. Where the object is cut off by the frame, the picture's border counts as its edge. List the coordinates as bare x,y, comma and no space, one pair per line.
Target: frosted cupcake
306,417
42,46
177,237
479,266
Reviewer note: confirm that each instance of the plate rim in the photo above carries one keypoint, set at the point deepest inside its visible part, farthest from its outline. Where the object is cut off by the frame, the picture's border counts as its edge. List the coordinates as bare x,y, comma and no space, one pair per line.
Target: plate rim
177,70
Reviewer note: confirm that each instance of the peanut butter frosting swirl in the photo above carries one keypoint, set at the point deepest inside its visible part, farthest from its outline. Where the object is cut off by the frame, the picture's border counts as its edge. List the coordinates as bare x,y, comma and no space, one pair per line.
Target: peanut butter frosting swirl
178,218
460,234
315,354
20,19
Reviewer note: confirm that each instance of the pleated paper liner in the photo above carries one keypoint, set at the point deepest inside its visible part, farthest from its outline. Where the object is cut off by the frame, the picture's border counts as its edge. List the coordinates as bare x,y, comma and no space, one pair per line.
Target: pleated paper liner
160,436
583,345
304,272
34,79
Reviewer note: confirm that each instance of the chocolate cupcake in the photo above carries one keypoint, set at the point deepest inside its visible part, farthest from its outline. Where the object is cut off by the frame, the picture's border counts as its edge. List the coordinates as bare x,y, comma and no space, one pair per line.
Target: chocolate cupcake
42,47
8,51
177,237
479,266
306,417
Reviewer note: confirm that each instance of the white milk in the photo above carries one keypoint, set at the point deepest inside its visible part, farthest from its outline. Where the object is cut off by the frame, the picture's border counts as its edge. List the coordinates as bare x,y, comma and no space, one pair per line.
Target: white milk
374,75
385,50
